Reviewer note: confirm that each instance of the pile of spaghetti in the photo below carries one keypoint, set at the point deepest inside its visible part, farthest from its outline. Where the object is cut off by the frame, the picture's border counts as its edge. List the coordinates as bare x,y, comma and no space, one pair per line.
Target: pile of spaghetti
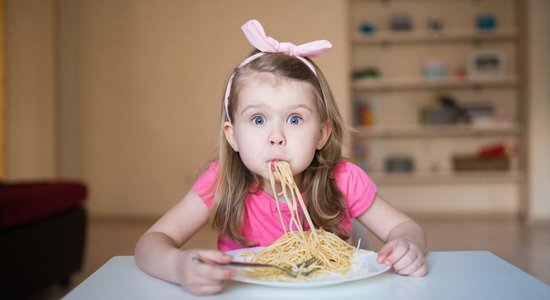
333,254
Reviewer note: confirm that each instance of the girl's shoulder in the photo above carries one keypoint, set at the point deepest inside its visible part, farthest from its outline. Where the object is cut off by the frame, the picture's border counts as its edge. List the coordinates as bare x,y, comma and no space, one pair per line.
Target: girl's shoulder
357,188
209,172
349,176
347,168
205,184
212,167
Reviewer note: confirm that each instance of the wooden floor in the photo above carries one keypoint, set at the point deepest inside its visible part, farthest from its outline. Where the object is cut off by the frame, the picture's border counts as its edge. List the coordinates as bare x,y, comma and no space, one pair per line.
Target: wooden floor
526,247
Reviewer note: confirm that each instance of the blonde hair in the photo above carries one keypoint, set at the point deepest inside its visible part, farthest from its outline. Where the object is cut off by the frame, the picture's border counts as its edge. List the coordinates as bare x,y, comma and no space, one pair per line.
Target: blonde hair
324,200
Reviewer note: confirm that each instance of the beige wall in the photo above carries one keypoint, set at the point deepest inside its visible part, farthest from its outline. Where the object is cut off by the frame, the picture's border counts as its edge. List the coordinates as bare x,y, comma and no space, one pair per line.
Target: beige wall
139,84
30,89
539,108
142,82
2,96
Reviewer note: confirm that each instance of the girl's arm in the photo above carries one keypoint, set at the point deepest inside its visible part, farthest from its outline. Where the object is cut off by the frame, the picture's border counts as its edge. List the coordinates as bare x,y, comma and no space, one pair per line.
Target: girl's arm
158,252
405,240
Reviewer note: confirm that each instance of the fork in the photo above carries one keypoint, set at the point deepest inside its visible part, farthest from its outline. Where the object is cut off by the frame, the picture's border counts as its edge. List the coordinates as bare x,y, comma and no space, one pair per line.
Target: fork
287,271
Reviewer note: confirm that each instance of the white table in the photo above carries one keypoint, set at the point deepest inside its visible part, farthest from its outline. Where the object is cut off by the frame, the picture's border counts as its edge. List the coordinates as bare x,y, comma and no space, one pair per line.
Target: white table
453,275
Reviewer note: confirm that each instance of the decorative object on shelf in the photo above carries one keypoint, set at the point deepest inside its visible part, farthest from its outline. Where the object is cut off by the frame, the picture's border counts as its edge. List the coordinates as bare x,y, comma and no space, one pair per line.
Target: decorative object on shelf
460,73
497,149
399,164
367,28
366,112
367,73
446,112
479,113
434,69
360,155
486,22
486,63
438,116
401,22
435,24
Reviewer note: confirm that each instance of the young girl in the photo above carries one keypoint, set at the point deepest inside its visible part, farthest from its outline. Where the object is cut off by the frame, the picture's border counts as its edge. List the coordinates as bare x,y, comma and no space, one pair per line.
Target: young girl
278,106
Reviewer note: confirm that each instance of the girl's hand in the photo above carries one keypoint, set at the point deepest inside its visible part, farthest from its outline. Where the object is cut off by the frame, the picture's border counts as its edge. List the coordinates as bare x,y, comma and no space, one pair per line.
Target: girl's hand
404,256
200,278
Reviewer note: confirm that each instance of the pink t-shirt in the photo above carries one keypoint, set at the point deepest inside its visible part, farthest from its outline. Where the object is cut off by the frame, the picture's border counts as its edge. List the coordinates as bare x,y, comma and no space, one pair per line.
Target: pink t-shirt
262,225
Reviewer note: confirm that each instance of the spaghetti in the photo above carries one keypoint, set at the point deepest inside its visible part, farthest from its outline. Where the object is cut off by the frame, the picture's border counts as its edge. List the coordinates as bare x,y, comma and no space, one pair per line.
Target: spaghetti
294,247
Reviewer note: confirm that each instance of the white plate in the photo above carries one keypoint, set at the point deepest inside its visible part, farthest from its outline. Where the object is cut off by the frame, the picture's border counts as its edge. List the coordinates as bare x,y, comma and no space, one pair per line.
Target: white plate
365,267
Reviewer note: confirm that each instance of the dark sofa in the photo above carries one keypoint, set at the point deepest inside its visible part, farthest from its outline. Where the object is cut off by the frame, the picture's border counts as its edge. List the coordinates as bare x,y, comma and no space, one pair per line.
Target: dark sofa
42,235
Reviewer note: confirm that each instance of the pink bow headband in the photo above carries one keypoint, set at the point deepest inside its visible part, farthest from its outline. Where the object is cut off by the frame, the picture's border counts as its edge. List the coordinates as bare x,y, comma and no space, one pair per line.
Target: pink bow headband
256,36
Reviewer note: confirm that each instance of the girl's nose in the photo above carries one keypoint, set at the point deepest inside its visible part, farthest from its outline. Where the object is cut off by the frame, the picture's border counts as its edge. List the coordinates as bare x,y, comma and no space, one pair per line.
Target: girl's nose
277,141
277,138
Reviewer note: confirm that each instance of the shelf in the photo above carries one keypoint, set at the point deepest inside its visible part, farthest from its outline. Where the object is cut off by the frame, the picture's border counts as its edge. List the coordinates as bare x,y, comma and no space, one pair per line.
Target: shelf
389,37
390,82
421,83
479,177
389,1
445,131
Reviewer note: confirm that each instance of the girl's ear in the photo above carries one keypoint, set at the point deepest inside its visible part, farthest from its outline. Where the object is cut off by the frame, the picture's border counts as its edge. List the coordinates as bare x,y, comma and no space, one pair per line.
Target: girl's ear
326,130
230,135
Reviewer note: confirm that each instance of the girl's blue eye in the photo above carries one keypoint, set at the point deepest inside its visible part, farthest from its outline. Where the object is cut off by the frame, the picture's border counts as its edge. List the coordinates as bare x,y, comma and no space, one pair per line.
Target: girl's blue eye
294,120
258,120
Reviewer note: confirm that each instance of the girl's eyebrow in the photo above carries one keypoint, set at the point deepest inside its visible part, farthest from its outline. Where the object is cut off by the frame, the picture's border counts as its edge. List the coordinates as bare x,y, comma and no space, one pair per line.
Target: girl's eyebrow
304,106
251,106
259,106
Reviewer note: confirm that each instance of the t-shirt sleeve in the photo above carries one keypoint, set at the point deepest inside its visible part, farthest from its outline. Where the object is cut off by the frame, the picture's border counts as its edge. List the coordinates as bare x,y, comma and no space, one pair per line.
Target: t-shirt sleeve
356,187
205,186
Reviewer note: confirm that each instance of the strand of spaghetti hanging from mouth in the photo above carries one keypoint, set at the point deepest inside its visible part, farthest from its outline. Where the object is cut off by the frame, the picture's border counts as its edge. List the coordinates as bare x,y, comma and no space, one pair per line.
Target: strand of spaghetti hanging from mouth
290,193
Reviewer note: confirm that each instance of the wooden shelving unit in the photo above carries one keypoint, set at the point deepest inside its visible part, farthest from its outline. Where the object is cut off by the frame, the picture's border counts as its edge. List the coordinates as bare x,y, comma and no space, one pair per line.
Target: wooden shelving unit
399,56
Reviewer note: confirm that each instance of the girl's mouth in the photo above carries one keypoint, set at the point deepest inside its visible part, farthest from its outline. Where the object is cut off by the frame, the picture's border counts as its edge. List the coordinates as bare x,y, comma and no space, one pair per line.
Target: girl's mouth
273,162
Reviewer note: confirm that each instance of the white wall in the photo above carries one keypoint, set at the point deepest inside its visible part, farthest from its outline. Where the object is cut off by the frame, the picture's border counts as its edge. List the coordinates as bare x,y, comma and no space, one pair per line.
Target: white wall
539,108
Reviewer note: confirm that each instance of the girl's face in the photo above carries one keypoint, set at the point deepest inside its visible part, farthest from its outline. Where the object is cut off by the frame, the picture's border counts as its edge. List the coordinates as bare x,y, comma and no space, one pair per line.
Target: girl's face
276,119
